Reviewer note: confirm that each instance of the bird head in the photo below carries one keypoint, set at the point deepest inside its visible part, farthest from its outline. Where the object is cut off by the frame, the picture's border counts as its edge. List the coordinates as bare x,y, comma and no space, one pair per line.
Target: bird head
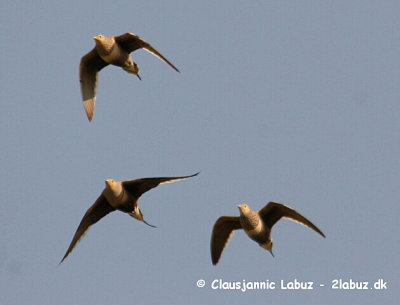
113,187
244,209
137,214
99,38
111,184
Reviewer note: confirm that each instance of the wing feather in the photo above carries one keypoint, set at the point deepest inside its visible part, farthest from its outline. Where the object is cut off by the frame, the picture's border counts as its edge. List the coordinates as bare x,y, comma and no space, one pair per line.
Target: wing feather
132,42
222,232
139,186
89,69
97,211
274,211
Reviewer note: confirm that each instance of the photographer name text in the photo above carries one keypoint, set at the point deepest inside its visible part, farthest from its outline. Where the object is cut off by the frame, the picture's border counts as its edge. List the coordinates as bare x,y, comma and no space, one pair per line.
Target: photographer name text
295,284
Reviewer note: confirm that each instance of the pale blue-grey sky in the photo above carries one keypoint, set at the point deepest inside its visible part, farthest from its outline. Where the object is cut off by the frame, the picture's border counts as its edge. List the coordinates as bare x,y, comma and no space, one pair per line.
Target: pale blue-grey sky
292,101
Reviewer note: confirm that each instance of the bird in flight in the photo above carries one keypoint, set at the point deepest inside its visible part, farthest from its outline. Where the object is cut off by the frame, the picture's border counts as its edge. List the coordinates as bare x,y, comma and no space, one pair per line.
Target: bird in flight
118,195
256,224
112,50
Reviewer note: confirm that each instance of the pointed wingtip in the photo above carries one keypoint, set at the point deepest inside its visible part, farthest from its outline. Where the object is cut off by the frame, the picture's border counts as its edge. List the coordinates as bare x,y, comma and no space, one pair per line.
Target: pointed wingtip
65,256
190,176
89,108
214,259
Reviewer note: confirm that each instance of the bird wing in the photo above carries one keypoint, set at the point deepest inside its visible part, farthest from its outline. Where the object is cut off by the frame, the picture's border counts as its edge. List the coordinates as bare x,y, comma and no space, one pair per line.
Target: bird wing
274,211
97,211
139,186
131,42
89,68
222,232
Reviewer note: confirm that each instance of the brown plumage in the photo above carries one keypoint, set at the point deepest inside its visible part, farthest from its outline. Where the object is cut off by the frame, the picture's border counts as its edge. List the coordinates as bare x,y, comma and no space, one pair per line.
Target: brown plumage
257,225
118,195
113,50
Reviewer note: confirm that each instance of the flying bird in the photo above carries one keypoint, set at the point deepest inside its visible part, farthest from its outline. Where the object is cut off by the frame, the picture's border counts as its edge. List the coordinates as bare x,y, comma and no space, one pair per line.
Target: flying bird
256,224
118,195
113,50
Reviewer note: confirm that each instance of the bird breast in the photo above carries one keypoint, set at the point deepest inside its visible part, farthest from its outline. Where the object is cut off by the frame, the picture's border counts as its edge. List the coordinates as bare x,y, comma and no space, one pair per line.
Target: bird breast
118,197
116,56
251,224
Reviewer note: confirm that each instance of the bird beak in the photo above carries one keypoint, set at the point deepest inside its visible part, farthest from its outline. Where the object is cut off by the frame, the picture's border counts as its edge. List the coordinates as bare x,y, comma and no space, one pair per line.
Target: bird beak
149,224
138,76
272,253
